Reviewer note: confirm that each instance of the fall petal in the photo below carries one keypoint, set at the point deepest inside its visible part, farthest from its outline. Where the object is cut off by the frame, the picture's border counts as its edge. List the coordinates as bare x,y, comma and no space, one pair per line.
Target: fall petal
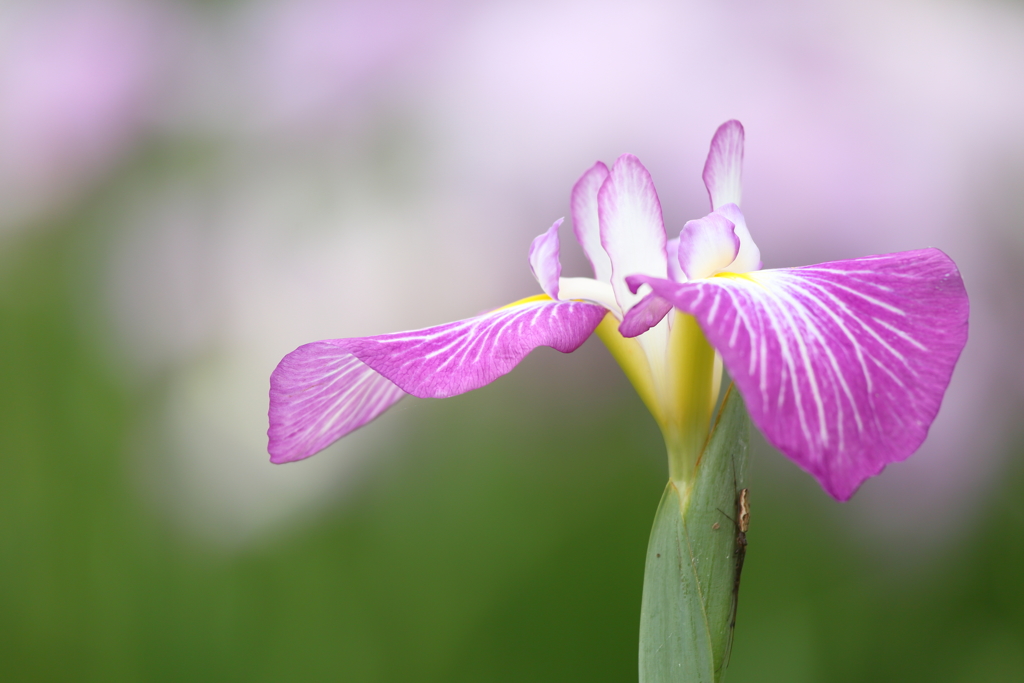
458,357
319,393
324,390
843,365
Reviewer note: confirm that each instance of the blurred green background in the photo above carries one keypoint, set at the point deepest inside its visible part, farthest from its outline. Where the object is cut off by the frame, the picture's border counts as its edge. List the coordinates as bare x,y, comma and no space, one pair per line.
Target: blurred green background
499,535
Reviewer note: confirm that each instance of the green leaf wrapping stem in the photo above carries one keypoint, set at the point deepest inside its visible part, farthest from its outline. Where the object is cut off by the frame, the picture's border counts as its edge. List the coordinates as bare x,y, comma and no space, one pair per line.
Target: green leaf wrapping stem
690,582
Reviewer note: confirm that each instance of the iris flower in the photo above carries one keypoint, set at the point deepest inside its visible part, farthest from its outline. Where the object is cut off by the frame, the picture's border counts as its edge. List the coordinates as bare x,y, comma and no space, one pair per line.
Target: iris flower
842,365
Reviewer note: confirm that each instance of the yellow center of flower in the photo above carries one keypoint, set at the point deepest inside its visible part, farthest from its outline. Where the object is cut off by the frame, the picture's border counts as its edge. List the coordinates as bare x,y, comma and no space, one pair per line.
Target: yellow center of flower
736,276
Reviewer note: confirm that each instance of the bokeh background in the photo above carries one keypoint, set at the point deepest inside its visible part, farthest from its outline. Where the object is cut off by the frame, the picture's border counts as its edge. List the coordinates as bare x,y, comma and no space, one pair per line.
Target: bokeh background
189,190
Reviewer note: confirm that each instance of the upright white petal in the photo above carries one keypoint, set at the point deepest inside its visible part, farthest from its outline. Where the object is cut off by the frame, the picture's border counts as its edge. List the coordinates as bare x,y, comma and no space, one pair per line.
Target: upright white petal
632,229
724,165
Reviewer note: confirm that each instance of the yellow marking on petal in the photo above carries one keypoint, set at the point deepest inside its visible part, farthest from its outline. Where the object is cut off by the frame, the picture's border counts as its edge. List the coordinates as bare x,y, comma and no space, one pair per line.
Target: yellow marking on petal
633,361
737,276
527,300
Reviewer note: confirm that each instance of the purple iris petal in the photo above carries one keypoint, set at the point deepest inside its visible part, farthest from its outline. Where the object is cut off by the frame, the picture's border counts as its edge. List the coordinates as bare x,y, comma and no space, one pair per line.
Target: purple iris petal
724,164
319,393
707,245
544,260
632,229
324,390
842,365
455,358
644,315
585,222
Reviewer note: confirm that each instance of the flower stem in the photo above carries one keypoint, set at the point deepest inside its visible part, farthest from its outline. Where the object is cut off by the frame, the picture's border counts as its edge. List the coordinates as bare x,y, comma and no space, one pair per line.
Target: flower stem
694,557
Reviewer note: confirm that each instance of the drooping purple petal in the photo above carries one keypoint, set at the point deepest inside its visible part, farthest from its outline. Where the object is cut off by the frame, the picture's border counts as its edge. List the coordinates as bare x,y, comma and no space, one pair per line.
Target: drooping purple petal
724,164
324,390
842,365
455,358
749,256
319,393
644,315
632,229
544,260
707,245
585,222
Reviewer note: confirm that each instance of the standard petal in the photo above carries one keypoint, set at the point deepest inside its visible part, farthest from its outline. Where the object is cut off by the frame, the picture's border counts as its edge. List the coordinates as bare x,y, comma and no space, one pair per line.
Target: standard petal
455,358
724,164
319,393
632,229
585,222
707,245
544,260
749,256
843,365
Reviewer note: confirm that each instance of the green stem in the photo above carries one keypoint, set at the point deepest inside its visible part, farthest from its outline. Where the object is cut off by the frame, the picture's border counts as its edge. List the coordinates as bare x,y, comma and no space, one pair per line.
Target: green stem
690,582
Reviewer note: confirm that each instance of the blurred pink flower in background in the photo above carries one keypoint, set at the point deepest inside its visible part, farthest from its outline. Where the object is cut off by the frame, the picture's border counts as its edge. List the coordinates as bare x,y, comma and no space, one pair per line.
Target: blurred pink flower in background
310,61
78,81
348,129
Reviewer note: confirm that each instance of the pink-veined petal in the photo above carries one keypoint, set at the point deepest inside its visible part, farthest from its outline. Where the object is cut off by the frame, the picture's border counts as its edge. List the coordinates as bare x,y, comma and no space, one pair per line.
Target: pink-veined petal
544,260
324,390
842,365
748,258
724,165
632,229
455,358
707,245
319,393
585,222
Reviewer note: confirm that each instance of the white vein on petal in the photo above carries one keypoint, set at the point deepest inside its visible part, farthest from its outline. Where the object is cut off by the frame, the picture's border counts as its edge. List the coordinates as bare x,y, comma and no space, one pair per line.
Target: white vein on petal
367,385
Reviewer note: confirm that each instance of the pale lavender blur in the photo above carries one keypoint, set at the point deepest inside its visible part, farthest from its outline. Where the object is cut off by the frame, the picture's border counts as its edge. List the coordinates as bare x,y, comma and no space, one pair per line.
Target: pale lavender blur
376,166
78,81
